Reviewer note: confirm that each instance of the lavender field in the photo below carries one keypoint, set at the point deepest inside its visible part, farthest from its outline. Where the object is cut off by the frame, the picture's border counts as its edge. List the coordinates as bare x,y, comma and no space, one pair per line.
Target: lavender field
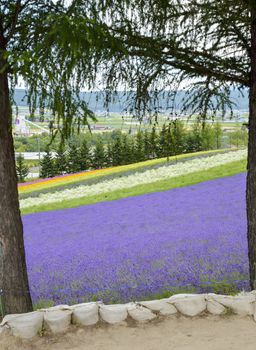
190,238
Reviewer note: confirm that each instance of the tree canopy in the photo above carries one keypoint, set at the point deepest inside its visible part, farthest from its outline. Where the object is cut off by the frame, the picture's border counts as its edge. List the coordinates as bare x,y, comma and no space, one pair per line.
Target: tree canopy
200,46
142,47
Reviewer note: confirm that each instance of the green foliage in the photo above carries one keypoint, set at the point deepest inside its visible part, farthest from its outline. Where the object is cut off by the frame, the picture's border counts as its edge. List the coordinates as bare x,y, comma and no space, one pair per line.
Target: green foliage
194,139
73,159
207,137
147,146
239,137
163,149
218,134
60,161
47,166
84,156
128,151
98,157
121,149
153,143
22,169
117,148
206,44
139,147
109,154
179,134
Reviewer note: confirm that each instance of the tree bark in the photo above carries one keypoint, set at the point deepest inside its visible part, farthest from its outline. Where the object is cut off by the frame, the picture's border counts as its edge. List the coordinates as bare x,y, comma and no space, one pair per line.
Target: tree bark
13,273
251,165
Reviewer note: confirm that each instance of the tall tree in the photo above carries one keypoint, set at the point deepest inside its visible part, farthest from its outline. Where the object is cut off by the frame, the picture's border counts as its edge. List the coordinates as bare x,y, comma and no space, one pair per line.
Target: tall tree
99,156
60,160
154,143
251,164
218,133
164,141
117,155
147,146
21,168
47,165
84,156
73,158
127,151
139,147
37,46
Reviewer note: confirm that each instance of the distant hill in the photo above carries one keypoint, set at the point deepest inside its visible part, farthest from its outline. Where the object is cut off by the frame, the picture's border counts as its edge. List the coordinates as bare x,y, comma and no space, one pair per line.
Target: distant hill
96,100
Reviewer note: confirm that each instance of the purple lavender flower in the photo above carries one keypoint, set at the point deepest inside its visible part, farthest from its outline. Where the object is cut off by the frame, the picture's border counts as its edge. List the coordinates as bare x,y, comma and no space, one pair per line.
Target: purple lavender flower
187,238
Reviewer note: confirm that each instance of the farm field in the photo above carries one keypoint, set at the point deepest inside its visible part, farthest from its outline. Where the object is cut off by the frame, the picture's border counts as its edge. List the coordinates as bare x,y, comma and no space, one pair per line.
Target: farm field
191,238
118,182
181,233
118,120
73,179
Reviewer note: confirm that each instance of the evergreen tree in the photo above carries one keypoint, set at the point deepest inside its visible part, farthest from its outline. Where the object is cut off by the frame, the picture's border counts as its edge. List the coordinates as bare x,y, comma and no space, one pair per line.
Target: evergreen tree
133,150
22,169
194,139
218,133
179,137
73,159
208,137
147,146
60,161
169,142
47,165
109,154
98,158
127,156
163,150
153,143
84,160
139,147
117,150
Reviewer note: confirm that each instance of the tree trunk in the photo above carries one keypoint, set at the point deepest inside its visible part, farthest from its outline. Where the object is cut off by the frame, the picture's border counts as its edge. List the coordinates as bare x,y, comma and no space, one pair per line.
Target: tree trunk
251,165
13,273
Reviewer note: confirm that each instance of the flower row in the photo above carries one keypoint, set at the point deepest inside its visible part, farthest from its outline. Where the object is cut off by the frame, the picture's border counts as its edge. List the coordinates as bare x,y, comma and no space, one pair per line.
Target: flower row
135,179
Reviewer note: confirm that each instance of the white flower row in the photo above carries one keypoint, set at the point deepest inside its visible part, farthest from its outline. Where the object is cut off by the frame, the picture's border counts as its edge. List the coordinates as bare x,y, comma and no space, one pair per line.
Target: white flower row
139,178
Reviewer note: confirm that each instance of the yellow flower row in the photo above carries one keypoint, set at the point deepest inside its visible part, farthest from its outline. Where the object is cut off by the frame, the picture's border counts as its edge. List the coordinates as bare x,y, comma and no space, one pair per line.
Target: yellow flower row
59,180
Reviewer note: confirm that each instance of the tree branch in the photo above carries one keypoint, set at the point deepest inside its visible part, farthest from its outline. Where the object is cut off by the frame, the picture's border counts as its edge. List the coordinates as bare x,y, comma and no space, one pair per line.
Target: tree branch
14,19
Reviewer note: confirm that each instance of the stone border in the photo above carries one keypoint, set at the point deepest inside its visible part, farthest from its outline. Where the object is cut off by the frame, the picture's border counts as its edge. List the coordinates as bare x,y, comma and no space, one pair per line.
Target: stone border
58,318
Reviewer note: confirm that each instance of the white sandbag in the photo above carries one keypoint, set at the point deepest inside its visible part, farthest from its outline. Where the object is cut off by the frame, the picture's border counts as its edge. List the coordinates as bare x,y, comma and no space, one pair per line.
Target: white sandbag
85,314
140,313
57,307
189,304
242,293
4,330
162,306
215,308
26,325
113,313
240,304
57,320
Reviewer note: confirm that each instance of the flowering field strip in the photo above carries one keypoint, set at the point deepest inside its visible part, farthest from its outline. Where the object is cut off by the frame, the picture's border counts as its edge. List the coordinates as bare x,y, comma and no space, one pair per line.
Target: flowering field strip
228,169
59,181
138,178
190,238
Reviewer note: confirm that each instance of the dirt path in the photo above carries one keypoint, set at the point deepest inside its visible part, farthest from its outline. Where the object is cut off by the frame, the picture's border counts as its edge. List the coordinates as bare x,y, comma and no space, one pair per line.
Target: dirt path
211,333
